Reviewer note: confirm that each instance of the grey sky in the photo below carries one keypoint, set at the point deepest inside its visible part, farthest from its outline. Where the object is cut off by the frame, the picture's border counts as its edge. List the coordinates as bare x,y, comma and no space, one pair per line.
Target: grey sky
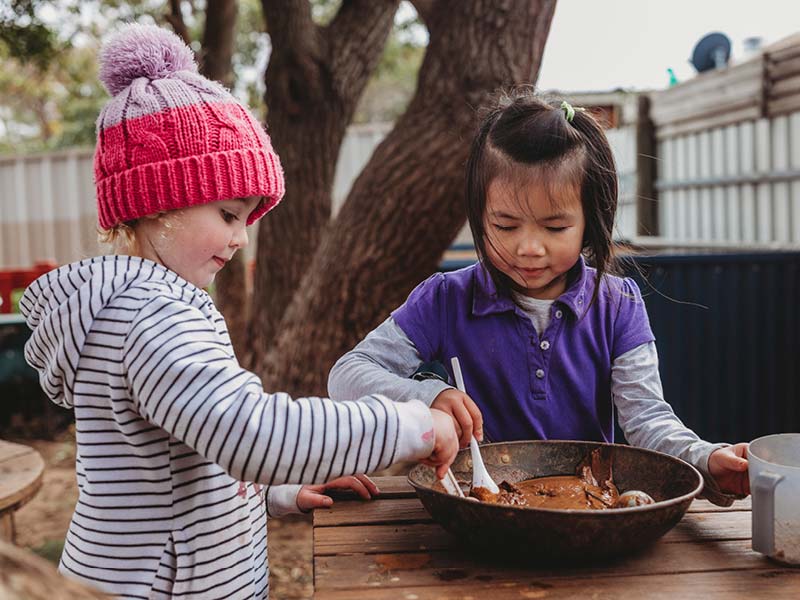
604,44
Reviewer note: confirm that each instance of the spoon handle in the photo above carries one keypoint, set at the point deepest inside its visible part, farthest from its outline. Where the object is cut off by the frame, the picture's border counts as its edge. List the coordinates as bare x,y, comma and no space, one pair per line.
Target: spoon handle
457,374
480,476
451,485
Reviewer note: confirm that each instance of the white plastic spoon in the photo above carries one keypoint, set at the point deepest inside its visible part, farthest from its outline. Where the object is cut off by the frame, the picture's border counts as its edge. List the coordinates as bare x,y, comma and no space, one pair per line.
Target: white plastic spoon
451,486
480,476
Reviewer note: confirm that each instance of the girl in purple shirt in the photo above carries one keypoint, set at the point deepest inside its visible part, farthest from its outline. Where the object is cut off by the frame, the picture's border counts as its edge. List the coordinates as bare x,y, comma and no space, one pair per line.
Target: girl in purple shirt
549,346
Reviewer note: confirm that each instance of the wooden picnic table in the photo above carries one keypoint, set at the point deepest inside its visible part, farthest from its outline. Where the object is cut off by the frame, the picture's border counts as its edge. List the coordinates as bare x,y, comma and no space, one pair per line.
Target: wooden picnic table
390,548
21,470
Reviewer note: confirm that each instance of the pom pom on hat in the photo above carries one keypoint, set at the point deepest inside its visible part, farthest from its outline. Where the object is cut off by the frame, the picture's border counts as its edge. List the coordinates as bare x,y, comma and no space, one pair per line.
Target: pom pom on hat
142,51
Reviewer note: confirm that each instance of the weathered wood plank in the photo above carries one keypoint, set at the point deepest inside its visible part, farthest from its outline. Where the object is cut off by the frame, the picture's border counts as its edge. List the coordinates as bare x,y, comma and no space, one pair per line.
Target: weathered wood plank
394,487
7,528
10,451
782,69
441,568
21,470
413,537
775,584
721,119
377,511
410,510
706,84
350,539
783,106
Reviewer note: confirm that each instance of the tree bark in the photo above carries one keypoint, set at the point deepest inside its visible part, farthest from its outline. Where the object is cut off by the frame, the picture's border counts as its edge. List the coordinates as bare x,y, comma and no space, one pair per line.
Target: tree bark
314,80
407,205
216,55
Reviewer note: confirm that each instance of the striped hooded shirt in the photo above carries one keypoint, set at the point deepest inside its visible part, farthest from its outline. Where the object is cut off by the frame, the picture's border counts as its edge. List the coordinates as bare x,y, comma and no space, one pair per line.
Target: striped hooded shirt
169,427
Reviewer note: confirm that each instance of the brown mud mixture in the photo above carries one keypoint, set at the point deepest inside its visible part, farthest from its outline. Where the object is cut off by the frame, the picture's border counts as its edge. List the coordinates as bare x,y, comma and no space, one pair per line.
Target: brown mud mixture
592,488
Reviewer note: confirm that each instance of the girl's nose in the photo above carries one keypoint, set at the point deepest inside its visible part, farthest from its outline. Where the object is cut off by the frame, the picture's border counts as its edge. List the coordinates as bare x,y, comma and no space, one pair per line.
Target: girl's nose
530,246
240,239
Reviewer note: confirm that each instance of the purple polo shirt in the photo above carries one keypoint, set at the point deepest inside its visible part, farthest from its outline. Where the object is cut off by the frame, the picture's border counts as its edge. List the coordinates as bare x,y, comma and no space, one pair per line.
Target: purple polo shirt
556,386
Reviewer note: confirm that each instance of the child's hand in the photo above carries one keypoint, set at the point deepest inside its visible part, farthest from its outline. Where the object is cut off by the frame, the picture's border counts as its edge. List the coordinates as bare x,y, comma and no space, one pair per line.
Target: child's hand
313,496
445,442
464,411
728,467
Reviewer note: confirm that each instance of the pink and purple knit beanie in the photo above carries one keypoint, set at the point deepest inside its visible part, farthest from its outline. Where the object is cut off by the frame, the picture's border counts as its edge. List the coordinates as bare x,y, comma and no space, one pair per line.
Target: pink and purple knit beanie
169,138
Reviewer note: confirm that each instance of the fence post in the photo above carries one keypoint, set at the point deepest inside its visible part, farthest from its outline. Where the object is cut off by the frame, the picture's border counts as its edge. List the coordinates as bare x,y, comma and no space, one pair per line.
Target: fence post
646,200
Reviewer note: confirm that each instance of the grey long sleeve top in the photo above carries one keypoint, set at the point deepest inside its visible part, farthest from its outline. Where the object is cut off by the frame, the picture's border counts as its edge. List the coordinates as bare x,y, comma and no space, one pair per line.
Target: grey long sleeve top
385,360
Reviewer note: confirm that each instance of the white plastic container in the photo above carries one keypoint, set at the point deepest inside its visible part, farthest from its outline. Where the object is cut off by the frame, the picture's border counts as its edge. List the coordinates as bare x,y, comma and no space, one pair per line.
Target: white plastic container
774,466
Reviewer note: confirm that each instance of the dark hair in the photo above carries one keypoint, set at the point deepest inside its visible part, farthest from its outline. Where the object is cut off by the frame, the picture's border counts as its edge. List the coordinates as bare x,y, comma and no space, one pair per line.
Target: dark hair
521,130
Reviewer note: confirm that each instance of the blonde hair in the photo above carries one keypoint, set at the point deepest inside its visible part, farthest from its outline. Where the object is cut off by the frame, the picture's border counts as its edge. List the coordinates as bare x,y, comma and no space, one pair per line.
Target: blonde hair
122,236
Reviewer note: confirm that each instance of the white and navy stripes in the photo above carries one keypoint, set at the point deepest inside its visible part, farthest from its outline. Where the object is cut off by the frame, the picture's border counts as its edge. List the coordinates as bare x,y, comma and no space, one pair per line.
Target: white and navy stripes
168,425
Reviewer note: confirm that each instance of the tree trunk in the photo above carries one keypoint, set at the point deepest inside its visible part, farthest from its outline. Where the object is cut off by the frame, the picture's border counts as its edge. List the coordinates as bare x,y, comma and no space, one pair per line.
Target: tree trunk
175,18
407,205
315,78
216,55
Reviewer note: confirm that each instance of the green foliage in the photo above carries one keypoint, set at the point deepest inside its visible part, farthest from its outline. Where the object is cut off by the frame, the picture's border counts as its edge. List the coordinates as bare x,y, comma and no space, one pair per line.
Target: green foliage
395,79
50,96
23,35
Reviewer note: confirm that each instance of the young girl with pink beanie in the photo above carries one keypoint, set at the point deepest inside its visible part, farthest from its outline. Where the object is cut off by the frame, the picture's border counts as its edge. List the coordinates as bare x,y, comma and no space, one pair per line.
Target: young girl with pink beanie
180,452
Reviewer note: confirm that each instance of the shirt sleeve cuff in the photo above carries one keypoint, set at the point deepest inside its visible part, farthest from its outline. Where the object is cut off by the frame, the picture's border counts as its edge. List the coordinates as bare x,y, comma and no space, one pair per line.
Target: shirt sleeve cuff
415,436
711,491
430,388
282,500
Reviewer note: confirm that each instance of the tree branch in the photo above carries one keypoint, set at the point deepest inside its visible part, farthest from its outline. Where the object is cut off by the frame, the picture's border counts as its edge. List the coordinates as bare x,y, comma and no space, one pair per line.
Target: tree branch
175,18
216,55
425,10
301,59
407,205
359,24
309,111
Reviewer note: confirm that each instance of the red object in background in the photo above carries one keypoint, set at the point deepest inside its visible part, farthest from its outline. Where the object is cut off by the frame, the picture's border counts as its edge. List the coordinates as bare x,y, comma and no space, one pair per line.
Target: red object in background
17,279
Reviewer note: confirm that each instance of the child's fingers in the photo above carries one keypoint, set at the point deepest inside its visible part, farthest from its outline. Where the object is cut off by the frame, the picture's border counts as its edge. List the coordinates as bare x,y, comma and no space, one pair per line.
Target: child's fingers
320,501
734,459
464,423
309,499
369,484
740,449
735,463
441,470
477,418
350,483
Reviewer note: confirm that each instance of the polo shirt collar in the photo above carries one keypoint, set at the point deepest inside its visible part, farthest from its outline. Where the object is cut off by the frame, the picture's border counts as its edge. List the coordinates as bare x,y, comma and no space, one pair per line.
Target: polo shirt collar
486,300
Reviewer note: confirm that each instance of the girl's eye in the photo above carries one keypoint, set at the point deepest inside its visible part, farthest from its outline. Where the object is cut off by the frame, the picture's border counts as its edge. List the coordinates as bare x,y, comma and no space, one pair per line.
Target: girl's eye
503,227
556,229
228,217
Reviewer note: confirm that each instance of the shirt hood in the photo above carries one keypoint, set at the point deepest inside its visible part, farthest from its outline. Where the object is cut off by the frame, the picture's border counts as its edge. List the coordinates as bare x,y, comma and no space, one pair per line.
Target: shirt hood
61,306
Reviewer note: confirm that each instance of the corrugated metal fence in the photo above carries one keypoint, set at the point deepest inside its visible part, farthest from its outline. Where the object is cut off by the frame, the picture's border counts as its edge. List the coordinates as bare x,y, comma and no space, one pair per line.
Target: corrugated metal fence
47,201
729,152
47,205
727,329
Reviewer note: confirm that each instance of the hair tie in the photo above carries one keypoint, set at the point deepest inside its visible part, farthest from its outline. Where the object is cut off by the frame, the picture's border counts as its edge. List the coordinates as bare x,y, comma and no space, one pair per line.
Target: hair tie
569,111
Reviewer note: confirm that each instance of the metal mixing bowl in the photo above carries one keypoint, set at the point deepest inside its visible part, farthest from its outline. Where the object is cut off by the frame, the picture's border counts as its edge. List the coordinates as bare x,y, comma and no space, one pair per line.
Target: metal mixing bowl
539,533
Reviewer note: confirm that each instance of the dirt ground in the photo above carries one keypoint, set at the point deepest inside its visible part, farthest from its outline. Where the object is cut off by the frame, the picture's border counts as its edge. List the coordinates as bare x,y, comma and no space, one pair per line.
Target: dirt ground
43,522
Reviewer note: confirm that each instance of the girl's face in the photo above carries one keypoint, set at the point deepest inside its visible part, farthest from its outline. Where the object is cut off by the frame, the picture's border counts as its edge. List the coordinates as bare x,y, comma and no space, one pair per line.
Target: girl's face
196,242
534,234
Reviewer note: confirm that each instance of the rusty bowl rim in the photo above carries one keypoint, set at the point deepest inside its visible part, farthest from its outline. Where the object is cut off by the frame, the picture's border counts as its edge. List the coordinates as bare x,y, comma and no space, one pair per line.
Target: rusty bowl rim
610,512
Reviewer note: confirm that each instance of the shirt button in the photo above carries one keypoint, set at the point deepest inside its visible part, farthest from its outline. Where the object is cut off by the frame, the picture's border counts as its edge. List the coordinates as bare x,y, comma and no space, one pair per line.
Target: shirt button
544,345
559,314
539,373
